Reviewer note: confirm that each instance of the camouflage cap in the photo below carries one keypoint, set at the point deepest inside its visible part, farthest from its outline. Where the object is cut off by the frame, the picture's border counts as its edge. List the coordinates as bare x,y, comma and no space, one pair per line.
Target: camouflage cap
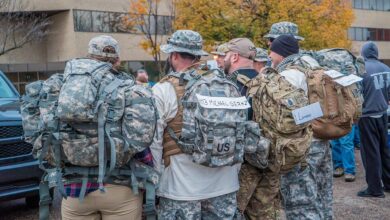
97,44
284,27
242,46
221,50
261,55
186,41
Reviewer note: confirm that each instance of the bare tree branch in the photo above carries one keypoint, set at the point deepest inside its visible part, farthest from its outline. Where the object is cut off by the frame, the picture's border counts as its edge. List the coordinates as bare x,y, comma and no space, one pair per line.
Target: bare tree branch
148,24
20,26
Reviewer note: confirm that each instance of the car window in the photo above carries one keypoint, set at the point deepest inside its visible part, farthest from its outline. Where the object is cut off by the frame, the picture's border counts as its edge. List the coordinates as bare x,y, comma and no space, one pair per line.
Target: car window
5,90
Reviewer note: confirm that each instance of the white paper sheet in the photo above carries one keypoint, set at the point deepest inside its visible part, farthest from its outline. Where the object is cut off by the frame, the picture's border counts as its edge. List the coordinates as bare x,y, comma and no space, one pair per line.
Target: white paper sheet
223,102
333,73
348,80
307,113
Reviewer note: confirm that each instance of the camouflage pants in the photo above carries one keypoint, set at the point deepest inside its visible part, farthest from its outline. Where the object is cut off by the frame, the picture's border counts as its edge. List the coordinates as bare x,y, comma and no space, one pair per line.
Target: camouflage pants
259,193
221,207
307,193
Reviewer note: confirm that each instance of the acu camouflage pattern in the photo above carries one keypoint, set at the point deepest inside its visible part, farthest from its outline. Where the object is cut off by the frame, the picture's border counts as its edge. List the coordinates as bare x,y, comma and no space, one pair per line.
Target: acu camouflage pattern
79,94
258,158
128,111
30,111
221,207
205,130
97,44
186,41
129,115
307,193
282,28
341,60
261,55
38,114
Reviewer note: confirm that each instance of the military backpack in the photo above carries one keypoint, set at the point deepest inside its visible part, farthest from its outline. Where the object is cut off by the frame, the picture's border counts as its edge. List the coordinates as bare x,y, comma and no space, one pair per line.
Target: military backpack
212,123
87,125
273,100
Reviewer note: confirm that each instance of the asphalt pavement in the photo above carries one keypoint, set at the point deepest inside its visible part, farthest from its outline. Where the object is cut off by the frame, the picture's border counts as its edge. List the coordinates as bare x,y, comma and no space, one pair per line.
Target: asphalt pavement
347,206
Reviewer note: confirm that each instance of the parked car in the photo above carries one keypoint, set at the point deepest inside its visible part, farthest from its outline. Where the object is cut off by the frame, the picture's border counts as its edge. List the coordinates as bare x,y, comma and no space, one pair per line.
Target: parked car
19,171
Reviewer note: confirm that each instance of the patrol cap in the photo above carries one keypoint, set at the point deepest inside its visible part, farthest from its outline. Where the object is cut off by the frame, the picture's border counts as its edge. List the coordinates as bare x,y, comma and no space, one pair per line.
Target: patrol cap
282,28
242,46
97,44
221,50
185,41
261,55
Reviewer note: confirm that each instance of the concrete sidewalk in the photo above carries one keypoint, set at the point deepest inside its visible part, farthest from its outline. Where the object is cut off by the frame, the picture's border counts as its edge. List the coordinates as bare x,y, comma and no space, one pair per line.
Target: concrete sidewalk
348,206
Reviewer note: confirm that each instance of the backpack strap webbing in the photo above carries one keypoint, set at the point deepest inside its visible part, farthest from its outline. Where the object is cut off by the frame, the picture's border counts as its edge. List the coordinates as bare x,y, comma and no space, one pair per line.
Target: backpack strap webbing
44,200
243,79
103,129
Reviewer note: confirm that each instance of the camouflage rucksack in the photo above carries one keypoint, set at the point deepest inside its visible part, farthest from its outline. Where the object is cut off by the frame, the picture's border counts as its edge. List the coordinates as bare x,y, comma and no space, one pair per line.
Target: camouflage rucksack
215,128
90,123
345,62
341,60
274,99
340,105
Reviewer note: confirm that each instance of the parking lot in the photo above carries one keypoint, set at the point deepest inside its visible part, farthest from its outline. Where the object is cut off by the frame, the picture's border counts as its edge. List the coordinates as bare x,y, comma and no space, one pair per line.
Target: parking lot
346,204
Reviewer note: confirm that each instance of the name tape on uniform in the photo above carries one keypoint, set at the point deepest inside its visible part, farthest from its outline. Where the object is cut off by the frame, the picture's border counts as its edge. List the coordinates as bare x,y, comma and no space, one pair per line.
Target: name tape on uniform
348,80
307,113
223,102
333,73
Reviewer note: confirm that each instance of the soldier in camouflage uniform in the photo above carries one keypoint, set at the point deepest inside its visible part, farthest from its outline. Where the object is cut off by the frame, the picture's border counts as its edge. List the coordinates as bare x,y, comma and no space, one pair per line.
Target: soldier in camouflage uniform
219,55
255,200
187,190
261,59
307,189
259,192
281,28
118,201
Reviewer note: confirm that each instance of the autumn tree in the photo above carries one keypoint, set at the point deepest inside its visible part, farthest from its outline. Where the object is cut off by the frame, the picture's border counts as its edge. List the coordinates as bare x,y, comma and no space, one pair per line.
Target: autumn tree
19,26
144,17
323,23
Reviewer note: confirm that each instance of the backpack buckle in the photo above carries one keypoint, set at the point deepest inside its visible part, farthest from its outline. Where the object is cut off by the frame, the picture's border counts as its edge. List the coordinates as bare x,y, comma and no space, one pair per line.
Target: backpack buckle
110,115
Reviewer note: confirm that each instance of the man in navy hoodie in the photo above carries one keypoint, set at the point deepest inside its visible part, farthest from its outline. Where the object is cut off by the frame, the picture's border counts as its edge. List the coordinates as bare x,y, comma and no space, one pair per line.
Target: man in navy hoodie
373,124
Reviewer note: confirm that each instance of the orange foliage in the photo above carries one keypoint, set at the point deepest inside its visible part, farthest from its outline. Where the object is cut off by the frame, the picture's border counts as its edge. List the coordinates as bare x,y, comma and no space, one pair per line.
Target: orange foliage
323,23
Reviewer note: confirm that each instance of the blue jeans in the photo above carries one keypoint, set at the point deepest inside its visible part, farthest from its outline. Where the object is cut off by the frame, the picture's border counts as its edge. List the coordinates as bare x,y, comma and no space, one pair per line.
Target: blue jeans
343,152
356,137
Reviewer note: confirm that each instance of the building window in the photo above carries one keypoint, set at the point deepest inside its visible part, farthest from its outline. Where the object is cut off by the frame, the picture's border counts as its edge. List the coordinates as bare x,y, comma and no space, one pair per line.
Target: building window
101,22
365,34
114,22
386,5
379,5
82,20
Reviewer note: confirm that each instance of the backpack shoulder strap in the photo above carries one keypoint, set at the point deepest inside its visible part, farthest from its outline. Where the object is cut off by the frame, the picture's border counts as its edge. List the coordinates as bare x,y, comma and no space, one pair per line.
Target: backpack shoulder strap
243,79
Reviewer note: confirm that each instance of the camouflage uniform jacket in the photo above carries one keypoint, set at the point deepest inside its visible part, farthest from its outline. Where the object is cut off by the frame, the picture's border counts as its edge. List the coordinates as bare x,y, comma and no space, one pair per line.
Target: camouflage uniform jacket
183,179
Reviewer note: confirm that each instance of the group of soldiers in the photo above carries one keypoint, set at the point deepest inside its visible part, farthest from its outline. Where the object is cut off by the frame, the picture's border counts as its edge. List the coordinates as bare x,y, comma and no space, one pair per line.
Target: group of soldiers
189,191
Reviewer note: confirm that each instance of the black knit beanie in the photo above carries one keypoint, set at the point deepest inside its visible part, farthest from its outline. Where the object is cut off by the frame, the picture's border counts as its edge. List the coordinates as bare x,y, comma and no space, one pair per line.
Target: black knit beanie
285,45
